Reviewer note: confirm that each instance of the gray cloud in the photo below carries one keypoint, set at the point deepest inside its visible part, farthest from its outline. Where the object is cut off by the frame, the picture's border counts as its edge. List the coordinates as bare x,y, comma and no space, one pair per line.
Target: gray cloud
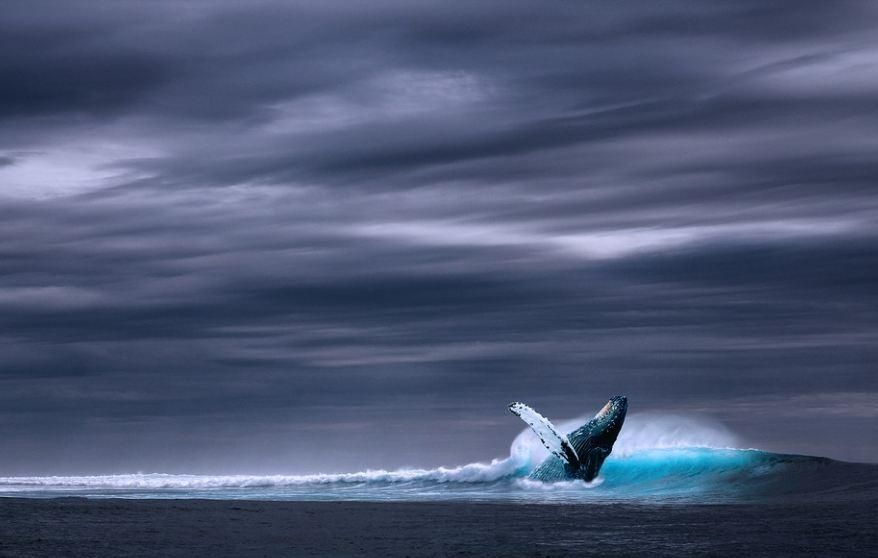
235,238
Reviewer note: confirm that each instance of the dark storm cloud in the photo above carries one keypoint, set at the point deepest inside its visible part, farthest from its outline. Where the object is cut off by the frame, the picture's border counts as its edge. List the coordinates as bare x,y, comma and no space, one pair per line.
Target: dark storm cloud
280,236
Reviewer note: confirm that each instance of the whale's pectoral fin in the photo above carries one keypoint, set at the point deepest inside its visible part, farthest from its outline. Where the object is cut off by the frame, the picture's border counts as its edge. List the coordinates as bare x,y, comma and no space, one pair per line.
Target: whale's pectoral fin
554,441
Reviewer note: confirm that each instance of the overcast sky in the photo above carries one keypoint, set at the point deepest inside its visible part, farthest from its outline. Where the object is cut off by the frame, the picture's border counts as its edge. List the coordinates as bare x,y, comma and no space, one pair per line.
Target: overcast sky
291,237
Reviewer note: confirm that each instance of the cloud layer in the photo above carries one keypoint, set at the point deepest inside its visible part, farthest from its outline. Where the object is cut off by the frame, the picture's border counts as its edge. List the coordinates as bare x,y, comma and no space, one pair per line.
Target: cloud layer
286,237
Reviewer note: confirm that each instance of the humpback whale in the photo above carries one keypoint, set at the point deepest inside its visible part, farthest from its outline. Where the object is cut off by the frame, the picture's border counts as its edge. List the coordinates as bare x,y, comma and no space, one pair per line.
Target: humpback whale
579,454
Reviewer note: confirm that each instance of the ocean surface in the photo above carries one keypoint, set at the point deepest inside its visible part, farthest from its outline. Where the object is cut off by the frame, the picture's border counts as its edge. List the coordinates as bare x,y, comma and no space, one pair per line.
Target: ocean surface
657,459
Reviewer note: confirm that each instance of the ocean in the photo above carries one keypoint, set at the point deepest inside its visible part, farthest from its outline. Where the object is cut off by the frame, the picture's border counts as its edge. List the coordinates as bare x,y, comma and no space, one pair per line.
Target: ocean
674,486
657,459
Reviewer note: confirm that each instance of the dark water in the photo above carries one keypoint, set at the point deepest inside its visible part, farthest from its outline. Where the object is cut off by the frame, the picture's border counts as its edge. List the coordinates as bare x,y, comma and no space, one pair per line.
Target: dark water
217,528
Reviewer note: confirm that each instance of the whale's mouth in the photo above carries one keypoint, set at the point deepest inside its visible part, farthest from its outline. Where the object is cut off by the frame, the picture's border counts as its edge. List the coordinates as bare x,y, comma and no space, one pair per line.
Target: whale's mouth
616,405
605,410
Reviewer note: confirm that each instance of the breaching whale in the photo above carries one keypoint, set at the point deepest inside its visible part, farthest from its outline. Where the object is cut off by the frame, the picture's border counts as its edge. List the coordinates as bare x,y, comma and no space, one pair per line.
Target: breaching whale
579,454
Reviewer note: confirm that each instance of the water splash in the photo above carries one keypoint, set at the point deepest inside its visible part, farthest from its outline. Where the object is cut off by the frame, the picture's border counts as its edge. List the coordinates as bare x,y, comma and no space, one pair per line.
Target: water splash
642,431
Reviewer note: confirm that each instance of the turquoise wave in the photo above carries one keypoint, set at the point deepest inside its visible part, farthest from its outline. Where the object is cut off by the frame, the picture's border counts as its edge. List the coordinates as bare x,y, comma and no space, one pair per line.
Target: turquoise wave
652,475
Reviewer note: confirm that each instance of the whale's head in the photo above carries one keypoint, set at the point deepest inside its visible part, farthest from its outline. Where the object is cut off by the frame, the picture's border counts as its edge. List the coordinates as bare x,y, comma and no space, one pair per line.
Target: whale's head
594,441
600,433
608,422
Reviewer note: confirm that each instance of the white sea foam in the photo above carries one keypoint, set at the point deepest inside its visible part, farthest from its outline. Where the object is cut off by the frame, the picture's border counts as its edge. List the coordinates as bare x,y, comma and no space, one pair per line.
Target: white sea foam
529,484
470,473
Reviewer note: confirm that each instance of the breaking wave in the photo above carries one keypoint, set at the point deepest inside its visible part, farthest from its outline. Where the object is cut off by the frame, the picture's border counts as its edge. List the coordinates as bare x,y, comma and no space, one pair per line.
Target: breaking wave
470,473
657,457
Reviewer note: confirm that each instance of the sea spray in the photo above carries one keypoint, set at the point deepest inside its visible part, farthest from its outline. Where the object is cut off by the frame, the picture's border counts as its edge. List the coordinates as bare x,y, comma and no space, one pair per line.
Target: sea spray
642,431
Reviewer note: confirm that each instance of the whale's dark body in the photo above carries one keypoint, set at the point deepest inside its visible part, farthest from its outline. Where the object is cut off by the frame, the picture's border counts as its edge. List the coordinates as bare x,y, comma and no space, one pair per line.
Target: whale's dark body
591,443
